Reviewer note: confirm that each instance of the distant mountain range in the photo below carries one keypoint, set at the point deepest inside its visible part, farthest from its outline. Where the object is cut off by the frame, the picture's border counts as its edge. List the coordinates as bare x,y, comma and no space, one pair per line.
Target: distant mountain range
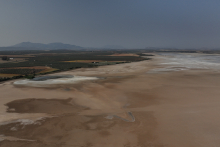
52,46
56,45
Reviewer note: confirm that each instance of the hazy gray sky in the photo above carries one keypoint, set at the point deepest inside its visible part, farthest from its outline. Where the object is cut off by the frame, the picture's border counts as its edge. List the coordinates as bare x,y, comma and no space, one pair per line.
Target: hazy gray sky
95,23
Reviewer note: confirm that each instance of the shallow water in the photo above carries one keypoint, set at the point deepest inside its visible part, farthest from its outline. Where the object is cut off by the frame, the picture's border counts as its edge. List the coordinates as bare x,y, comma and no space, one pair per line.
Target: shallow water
192,60
186,61
48,81
44,78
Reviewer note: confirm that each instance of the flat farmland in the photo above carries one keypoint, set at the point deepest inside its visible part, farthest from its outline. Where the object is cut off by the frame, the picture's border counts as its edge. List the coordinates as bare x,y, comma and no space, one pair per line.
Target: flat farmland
19,71
23,63
135,55
91,61
67,59
8,75
14,60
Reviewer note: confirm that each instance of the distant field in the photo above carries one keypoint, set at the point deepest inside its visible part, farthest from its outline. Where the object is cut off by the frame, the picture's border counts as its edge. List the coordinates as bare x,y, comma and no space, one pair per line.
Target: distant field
18,56
91,61
85,61
124,55
19,71
14,60
41,62
48,70
8,75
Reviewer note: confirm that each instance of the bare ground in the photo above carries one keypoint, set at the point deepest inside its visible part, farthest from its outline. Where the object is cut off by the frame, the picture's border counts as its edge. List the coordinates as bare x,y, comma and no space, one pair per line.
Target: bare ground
170,109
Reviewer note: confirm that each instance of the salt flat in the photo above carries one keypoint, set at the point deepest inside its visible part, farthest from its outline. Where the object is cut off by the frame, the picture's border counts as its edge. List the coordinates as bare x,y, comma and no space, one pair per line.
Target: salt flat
174,103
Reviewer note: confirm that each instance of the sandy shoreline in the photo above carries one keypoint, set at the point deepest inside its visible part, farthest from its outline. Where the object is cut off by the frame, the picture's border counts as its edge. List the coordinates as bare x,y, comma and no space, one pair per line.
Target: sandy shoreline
171,108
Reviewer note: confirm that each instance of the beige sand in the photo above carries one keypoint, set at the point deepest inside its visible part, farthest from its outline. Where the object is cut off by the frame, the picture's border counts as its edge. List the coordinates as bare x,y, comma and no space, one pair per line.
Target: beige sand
173,109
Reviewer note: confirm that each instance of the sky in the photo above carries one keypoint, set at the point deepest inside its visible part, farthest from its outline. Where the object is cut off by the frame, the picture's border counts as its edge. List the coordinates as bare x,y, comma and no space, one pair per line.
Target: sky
96,23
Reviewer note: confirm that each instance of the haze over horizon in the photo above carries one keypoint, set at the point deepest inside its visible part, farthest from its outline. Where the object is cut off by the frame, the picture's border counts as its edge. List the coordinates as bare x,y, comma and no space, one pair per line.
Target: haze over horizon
97,23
